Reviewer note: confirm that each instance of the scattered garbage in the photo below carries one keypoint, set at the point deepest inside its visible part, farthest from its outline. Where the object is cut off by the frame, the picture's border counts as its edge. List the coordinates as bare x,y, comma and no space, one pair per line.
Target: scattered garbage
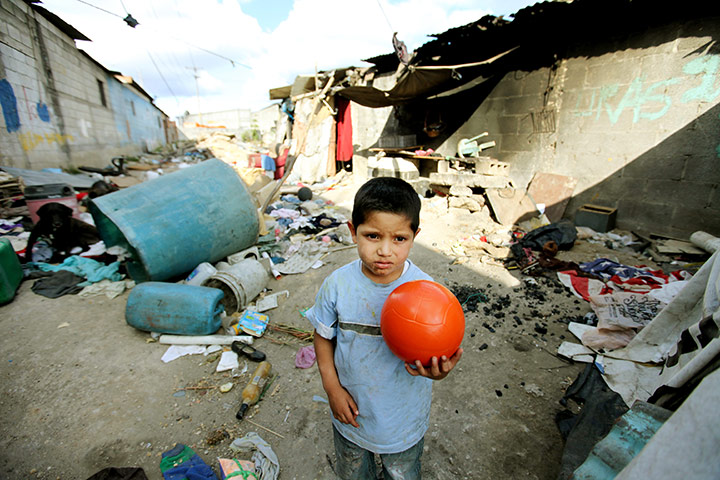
266,461
305,357
145,218
249,322
174,308
240,283
252,392
181,461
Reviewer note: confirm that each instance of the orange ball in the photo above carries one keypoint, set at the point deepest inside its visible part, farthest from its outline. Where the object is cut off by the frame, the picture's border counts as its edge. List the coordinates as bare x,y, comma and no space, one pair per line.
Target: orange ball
421,320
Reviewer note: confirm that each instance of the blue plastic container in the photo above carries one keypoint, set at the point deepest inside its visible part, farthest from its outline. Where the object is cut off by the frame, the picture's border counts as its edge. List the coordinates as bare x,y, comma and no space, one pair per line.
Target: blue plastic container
174,308
10,271
173,223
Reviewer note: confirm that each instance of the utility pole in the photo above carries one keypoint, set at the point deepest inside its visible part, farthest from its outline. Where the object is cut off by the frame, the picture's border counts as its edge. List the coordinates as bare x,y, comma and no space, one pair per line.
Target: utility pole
197,90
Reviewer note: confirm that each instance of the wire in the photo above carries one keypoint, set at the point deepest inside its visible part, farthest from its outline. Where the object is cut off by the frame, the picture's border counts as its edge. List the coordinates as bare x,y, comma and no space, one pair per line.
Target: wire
163,77
124,8
233,62
101,9
386,17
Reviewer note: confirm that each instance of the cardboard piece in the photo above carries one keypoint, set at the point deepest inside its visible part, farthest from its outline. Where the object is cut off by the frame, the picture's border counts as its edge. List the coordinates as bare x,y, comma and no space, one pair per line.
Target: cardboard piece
554,191
509,204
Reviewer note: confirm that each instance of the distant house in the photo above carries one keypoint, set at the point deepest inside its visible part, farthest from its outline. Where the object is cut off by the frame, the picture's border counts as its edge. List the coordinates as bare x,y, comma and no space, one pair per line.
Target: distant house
61,108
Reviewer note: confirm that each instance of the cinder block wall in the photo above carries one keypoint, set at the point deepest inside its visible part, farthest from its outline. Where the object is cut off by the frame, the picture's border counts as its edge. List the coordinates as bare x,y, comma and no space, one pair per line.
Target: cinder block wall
59,120
636,121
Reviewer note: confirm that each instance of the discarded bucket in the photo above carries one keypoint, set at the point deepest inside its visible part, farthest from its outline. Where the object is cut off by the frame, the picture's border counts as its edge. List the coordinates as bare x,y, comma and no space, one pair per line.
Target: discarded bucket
174,308
173,223
241,283
238,257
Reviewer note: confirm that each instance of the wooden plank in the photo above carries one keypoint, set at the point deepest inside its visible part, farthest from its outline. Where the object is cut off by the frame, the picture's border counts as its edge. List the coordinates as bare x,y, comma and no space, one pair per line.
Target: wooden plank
394,149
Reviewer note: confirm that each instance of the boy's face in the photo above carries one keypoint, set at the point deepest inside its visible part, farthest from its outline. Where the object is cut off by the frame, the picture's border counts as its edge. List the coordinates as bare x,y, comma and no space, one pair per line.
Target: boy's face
383,241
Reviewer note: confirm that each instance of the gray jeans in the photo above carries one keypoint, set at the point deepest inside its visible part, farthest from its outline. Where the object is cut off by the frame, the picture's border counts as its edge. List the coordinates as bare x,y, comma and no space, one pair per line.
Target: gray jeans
356,463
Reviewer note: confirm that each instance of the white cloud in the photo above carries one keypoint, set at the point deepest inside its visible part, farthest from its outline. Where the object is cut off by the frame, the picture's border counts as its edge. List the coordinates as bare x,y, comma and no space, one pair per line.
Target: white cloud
322,33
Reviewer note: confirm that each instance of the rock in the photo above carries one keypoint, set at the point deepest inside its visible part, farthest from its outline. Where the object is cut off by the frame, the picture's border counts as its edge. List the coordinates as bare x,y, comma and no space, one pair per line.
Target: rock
467,203
461,191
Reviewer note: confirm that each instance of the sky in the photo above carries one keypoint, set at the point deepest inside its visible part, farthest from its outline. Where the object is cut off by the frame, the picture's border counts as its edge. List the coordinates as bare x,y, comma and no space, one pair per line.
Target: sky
215,55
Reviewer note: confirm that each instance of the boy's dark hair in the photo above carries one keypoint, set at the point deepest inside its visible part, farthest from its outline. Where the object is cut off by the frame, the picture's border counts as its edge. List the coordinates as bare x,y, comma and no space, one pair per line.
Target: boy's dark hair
386,194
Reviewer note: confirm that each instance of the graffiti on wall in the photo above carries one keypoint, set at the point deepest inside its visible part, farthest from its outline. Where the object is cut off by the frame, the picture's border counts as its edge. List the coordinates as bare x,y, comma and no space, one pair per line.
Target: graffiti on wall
651,101
29,140
8,102
38,110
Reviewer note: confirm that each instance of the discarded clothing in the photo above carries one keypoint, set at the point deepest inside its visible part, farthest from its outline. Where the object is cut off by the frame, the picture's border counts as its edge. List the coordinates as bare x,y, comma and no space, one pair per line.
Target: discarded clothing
601,408
634,279
345,147
181,463
106,287
582,287
266,461
58,284
120,473
92,270
563,233
268,163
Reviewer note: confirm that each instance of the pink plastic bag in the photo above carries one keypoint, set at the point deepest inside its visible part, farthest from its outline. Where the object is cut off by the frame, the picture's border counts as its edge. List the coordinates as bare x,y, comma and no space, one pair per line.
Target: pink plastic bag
305,357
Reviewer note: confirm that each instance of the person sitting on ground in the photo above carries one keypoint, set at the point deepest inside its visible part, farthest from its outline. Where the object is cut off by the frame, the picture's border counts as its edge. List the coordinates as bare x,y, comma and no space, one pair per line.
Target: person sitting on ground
379,403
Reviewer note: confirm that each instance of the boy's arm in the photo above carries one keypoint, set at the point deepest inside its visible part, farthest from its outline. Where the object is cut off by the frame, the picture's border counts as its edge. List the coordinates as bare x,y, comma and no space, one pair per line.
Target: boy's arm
341,402
438,369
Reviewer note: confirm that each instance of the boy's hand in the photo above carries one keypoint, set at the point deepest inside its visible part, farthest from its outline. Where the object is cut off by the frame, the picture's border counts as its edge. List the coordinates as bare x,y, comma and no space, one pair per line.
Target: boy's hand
438,369
343,406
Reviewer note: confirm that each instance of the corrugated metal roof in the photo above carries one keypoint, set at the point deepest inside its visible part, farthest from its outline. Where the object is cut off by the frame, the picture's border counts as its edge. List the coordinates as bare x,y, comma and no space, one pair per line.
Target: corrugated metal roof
61,24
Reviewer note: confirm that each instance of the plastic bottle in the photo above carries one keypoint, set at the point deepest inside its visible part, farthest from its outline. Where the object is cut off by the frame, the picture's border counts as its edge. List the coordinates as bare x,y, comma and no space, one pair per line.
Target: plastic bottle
251,392
201,273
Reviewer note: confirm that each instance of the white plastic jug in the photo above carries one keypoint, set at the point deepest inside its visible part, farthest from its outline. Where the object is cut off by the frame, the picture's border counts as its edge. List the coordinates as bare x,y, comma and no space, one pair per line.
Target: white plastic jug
201,273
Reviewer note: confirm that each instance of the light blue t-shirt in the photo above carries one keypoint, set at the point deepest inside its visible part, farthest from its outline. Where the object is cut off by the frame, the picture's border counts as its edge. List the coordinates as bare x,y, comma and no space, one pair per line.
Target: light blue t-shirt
394,406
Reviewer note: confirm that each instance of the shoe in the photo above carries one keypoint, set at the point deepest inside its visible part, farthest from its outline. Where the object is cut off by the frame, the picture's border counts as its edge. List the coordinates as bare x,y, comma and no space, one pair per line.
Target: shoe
244,349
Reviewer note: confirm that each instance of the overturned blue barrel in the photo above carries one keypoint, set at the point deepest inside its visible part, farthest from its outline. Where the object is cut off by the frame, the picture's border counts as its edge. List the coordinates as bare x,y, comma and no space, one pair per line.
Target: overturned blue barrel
174,308
173,223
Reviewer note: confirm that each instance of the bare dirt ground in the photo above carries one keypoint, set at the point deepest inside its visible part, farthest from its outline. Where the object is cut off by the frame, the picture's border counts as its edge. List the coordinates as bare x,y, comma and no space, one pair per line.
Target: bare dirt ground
95,394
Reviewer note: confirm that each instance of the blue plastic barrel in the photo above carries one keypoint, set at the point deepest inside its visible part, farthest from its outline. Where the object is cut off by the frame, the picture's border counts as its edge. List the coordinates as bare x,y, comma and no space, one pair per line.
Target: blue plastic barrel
175,222
10,271
174,308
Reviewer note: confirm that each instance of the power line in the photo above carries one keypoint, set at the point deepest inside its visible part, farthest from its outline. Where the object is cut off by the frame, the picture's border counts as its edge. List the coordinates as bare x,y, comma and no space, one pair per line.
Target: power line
129,20
163,77
386,17
101,9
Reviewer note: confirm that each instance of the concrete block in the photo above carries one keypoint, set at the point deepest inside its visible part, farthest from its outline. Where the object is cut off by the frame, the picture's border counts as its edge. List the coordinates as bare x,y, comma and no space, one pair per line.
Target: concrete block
689,220
460,190
507,88
649,167
515,143
522,105
394,167
470,180
421,186
509,123
535,82
688,194
651,216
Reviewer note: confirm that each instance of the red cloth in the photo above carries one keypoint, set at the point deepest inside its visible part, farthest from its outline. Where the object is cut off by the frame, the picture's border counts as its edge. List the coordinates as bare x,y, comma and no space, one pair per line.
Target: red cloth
344,130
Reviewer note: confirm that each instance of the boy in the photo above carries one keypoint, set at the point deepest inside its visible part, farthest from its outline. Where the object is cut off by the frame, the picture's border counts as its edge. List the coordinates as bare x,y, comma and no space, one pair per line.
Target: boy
379,403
